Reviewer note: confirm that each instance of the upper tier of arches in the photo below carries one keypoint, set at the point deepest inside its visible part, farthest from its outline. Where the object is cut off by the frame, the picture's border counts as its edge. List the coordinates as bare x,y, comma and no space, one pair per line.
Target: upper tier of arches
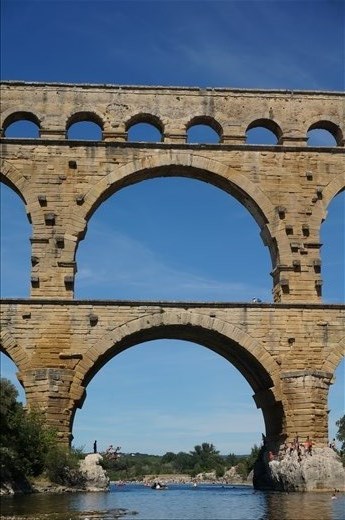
155,130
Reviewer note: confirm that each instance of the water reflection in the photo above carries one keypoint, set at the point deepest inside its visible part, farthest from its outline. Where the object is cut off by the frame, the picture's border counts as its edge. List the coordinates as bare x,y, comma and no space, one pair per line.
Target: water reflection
302,506
210,502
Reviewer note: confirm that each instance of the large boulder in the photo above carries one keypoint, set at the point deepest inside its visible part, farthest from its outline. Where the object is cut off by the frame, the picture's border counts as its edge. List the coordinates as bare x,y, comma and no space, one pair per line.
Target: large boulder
95,476
232,476
322,470
208,477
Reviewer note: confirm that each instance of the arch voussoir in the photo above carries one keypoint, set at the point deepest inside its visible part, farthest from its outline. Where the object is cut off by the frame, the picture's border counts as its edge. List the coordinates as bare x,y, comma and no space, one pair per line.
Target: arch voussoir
11,347
334,357
332,189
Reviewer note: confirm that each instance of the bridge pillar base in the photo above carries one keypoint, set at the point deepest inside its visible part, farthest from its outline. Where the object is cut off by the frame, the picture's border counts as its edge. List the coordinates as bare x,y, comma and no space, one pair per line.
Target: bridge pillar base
305,394
47,389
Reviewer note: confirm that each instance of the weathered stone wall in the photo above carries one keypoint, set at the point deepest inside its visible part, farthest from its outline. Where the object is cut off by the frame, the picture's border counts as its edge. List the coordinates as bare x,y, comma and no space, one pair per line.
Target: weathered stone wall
287,351
173,110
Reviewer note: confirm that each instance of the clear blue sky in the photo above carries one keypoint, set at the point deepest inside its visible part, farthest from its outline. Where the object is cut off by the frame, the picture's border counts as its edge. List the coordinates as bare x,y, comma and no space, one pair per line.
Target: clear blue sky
171,395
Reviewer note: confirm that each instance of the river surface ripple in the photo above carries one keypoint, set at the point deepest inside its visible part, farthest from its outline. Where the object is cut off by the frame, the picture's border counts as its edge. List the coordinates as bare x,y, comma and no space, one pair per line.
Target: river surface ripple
178,502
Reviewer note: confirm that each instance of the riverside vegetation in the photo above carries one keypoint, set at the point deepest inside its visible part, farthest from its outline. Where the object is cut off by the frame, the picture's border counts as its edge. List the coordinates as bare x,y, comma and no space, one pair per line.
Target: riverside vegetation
30,450
204,458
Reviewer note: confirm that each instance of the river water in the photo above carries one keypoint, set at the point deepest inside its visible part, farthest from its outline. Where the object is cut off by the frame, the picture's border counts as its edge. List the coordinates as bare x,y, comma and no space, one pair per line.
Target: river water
178,502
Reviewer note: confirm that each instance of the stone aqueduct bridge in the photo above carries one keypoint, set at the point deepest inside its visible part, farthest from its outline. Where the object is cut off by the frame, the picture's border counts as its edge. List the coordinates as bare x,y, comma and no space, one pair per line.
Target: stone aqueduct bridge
287,350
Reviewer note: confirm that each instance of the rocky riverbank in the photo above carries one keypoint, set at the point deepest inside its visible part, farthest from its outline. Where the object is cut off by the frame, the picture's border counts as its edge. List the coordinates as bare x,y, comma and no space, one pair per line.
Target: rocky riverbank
320,471
230,477
94,479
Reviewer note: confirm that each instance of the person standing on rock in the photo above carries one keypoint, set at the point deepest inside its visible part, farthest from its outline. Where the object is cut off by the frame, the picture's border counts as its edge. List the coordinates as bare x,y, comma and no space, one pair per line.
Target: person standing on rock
95,447
308,446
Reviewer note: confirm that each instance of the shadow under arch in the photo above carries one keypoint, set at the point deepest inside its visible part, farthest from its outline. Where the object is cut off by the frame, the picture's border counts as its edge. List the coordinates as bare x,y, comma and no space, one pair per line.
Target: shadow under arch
199,168
253,361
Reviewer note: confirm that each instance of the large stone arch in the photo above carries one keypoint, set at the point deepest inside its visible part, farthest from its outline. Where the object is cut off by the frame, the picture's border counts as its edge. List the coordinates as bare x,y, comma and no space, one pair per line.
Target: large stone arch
179,163
252,360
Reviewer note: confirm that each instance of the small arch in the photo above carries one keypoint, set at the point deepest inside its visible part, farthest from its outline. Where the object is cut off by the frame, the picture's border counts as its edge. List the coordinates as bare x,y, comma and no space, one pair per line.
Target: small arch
84,126
263,132
324,133
204,130
144,128
22,124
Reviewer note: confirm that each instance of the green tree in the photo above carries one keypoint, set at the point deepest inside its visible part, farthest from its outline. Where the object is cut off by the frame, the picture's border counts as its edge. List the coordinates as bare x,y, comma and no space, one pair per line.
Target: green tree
242,469
341,437
251,459
183,462
168,457
232,459
220,470
341,432
206,456
34,441
62,466
10,410
28,447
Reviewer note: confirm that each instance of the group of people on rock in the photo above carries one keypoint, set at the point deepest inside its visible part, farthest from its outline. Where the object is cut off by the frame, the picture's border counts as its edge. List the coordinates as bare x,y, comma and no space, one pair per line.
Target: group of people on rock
301,448
110,453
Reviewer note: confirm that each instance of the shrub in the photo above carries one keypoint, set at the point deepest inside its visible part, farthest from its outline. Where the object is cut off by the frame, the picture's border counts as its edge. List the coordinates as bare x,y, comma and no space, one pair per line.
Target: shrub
62,467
